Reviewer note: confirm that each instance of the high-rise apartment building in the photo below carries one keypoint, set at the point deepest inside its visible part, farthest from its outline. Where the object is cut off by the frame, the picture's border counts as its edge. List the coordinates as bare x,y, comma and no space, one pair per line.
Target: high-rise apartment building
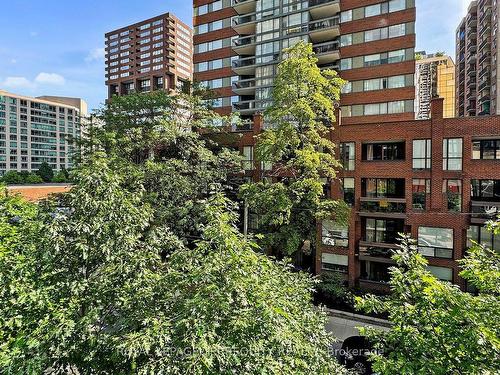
37,130
238,44
477,60
434,77
155,54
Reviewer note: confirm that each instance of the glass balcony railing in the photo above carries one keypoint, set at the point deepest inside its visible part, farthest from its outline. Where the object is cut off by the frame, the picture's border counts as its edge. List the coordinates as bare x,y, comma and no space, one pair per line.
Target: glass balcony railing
244,84
244,41
244,105
383,205
242,63
313,3
238,21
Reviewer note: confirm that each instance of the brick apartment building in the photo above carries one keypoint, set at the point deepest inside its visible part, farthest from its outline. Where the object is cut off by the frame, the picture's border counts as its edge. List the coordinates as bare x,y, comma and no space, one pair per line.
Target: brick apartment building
155,54
436,179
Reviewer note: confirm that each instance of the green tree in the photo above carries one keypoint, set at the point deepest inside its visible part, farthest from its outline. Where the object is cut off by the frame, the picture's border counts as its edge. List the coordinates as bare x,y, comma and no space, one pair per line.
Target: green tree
45,172
60,177
33,178
86,290
436,327
148,137
298,145
12,178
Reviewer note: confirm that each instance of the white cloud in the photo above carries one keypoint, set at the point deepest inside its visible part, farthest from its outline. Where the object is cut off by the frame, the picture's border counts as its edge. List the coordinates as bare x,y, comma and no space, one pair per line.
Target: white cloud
18,83
33,34
95,54
13,61
50,79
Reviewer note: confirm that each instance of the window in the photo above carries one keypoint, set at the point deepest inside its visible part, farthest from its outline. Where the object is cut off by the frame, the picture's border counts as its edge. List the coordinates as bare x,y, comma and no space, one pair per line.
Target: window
335,262
382,231
481,235
383,187
346,64
346,16
348,191
333,234
442,273
453,192
486,149
485,190
436,242
452,154
396,56
348,155
421,188
373,10
422,149
384,151
247,153
397,5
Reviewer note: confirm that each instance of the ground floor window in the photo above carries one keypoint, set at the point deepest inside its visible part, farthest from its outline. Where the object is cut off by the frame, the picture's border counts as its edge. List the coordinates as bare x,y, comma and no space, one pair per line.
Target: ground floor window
335,262
436,242
333,234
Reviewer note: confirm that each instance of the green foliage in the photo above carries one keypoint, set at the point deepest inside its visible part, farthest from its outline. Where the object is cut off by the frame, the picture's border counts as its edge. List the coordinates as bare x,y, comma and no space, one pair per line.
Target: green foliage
333,291
33,178
298,144
12,178
60,177
87,290
437,328
45,172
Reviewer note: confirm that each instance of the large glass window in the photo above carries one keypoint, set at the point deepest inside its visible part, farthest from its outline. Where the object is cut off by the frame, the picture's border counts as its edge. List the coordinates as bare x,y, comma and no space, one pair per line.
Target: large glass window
481,235
485,190
348,155
421,189
334,262
452,154
436,242
453,193
383,187
422,153
333,234
397,5
373,10
384,151
442,273
382,230
486,149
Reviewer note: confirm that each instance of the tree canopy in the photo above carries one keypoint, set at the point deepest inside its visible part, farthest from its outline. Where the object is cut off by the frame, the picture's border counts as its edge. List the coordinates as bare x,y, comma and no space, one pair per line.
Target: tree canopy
87,288
436,327
297,143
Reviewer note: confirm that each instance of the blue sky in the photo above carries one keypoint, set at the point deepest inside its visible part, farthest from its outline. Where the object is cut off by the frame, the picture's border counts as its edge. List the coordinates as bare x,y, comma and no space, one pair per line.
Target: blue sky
54,47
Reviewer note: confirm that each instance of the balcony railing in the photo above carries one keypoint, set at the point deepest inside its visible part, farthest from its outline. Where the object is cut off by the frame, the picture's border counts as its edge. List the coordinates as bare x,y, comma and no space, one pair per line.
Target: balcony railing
242,63
313,3
244,41
374,250
244,105
482,211
326,48
244,84
324,24
383,205
237,21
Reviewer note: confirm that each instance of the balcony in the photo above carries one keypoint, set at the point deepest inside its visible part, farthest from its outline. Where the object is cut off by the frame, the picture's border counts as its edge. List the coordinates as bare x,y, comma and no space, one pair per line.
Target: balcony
244,107
383,207
244,6
323,8
484,85
327,52
484,211
244,66
245,25
484,43
326,29
244,45
374,251
244,87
